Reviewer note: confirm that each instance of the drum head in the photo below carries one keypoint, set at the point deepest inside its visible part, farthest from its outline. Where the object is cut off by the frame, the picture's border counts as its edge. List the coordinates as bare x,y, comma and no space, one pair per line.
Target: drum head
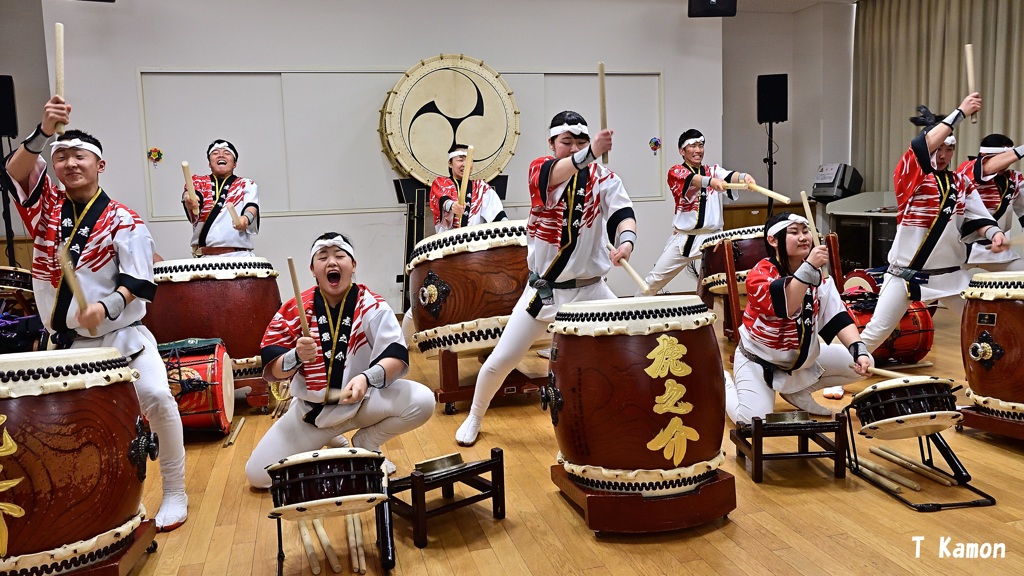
911,426
340,506
227,381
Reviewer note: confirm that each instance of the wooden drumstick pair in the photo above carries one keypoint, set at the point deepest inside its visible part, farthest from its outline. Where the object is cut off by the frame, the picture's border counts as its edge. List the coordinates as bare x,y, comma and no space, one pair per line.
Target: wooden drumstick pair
325,543
356,553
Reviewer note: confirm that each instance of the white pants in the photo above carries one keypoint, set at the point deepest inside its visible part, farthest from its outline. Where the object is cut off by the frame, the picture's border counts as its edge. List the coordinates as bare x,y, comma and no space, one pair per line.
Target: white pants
747,395
893,301
669,264
402,406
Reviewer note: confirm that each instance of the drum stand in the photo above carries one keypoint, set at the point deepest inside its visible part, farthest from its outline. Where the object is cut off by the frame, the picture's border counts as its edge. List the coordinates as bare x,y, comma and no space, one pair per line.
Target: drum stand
450,392
142,540
385,539
959,476
977,418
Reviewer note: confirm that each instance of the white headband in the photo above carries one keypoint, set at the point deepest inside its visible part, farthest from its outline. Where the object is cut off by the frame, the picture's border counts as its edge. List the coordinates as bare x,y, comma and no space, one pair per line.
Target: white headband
75,143
223,146
328,242
950,140
692,141
993,149
576,130
783,224
459,152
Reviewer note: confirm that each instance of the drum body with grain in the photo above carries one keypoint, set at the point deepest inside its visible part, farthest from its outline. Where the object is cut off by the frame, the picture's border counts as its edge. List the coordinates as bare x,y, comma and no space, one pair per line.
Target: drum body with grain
992,335
747,249
200,375
608,416
68,450
467,274
233,299
909,342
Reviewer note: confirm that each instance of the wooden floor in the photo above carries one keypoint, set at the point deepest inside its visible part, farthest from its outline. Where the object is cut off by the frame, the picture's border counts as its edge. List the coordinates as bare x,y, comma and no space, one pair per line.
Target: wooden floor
800,520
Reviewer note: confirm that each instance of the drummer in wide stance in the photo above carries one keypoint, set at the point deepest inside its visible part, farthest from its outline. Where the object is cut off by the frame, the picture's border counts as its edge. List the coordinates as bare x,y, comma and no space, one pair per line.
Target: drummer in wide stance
112,251
789,305
1000,188
213,231
577,205
346,375
698,190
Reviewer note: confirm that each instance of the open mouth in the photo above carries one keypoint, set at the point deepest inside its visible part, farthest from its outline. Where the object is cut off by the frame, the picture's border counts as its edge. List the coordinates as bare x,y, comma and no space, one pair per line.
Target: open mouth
222,162
334,278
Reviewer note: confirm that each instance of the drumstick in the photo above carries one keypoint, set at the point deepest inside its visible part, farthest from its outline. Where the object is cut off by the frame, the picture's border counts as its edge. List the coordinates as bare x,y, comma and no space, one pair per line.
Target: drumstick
307,543
467,170
885,483
897,458
69,276
603,104
886,373
969,55
810,224
625,264
353,556
58,66
360,550
325,543
1018,239
769,193
190,186
234,215
736,186
234,432
890,475
298,298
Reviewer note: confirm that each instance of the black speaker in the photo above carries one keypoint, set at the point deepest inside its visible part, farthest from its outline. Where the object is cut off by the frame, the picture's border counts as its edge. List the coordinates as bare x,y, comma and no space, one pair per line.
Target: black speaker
8,111
772,98
711,8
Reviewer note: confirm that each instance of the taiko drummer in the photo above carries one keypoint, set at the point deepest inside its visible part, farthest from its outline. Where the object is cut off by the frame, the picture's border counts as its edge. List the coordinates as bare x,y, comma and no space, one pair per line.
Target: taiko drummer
214,230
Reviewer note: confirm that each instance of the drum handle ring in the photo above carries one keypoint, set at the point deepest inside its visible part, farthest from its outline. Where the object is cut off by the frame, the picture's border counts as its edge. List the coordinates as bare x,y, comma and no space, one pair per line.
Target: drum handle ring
979,351
428,295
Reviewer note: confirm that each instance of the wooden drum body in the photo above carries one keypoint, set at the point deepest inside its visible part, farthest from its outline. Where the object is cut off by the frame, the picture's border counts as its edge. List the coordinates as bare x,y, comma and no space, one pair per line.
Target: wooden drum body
906,407
992,341
328,482
912,339
72,459
233,299
467,274
201,378
637,394
16,291
747,249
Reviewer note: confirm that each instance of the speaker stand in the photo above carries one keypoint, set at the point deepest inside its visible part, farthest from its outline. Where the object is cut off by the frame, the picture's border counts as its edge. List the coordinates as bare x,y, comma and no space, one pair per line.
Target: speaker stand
769,160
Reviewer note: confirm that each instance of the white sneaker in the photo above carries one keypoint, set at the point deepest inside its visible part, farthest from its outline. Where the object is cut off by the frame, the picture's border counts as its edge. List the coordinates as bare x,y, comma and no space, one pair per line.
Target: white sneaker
467,433
173,511
339,441
833,392
803,400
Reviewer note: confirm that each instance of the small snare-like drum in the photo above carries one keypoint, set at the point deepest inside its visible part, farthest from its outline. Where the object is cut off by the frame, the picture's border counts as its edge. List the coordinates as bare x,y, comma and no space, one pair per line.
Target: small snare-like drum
72,459
233,299
912,339
200,375
327,482
869,279
16,291
468,273
747,250
637,397
992,338
906,407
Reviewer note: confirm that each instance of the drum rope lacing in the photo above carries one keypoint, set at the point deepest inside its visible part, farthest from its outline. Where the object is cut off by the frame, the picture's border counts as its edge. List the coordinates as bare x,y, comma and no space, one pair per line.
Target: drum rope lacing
69,564
478,335
613,486
622,315
472,236
737,234
66,370
201,266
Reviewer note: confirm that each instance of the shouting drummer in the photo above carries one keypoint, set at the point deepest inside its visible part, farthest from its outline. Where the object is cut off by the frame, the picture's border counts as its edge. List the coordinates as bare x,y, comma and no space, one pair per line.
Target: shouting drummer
697,189
213,231
577,206
346,375
112,250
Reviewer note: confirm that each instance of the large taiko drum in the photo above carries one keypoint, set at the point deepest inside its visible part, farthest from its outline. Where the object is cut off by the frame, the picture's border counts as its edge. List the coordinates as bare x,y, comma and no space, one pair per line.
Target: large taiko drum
906,407
909,342
233,299
747,250
992,340
201,378
327,482
637,397
72,459
468,273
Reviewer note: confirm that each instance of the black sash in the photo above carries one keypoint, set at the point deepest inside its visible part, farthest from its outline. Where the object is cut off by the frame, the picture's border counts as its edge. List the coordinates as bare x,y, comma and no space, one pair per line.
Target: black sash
218,204
77,235
335,349
947,205
702,202
572,220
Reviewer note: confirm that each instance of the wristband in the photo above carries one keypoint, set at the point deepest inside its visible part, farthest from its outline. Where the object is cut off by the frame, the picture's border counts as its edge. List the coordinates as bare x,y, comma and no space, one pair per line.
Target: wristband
36,138
741,177
954,118
808,274
991,232
626,236
114,303
447,205
858,349
1019,151
583,158
289,360
376,377
705,181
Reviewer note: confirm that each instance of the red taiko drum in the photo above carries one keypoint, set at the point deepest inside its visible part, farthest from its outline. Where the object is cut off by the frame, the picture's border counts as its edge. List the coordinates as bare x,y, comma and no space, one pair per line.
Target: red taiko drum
637,397
747,250
200,375
909,343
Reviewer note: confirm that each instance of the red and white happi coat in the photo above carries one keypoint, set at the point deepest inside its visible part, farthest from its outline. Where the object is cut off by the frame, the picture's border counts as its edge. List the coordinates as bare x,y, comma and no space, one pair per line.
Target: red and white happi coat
789,342
698,211
1001,194
118,251
605,204
374,334
483,204
240,193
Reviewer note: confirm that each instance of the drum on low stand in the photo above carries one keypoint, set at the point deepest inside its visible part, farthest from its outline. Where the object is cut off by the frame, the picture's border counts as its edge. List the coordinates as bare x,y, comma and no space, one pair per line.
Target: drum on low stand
747,248
233,299
992,341
637,401
201,378
912,339
72,461
16,295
